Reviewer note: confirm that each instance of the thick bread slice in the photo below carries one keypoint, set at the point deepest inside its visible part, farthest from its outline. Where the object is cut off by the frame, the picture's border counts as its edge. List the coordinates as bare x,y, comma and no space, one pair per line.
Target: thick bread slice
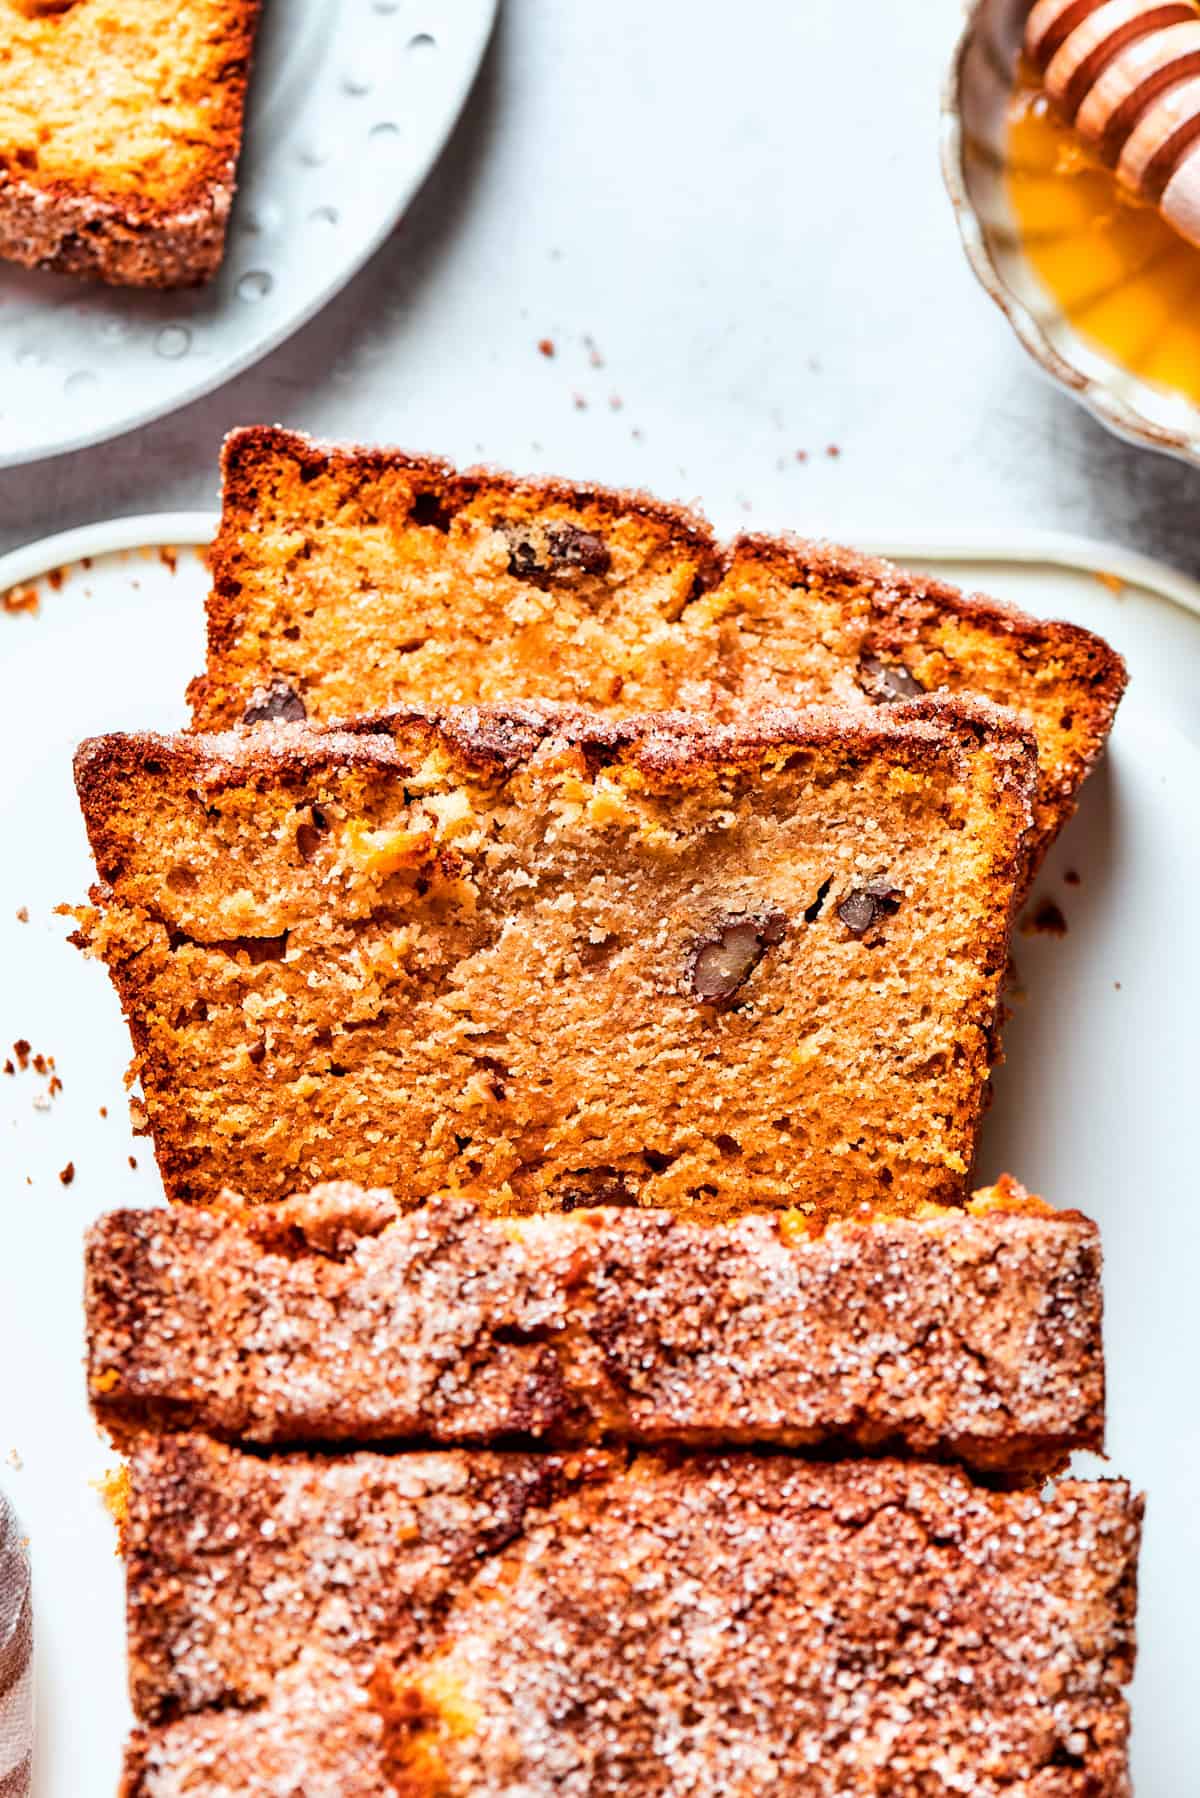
334,1317
352,580
120,127
554,961
492,1625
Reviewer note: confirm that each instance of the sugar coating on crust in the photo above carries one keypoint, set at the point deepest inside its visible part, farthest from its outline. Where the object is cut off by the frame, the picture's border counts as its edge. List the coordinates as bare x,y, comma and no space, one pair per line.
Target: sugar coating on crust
355,579
120,127
452,1624
554,960
334,1317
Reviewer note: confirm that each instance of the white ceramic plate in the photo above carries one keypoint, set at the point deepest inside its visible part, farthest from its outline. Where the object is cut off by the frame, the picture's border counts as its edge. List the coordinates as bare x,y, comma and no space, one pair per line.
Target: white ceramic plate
350,104
1093,1108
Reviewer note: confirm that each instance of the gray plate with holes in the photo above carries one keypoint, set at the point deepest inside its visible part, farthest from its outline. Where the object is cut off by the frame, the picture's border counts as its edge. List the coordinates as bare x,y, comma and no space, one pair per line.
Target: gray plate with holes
350,105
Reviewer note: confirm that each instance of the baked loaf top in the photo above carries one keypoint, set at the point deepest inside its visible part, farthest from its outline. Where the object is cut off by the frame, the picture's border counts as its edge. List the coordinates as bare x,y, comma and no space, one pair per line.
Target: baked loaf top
351,580
487,1624
335,1317
120,126
551,960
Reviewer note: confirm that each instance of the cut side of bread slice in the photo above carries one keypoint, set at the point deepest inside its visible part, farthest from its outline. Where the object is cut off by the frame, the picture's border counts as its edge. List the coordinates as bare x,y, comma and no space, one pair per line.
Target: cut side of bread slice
336,1317
120,128
492,1624
553,961
353,580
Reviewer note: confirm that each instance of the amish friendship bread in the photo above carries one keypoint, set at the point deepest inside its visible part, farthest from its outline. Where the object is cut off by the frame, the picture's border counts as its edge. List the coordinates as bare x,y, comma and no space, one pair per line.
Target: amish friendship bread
334,1317
498,1624
120,127
349,581
551,961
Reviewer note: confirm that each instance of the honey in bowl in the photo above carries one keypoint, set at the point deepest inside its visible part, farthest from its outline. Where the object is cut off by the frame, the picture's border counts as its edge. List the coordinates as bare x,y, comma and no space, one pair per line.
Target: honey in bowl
1128,283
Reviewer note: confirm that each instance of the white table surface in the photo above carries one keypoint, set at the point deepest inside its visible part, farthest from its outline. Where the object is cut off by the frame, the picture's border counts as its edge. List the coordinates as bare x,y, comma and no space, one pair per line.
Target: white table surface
741,207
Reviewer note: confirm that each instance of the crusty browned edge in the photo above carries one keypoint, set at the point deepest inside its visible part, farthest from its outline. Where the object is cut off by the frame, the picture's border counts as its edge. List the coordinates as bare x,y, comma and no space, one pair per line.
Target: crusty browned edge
139,239
493,741
1096,668
187,1492
165,1472
247,450
588,1377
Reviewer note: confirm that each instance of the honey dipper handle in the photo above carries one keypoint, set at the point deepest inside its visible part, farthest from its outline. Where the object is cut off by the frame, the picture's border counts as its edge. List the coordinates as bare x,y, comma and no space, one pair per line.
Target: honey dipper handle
1126,74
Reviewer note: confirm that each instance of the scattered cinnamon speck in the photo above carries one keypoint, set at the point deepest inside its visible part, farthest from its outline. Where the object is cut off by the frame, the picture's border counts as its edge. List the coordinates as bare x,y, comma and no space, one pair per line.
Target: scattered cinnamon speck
169,557
9,1067
22,914
833,449
546,346
1113,582
637,434
615,402
802,455
133,1163
1071,877
67,1174
580,403
594,356
1116,986
56,577
22,1052
20,599
104,1111
86,562
1046,919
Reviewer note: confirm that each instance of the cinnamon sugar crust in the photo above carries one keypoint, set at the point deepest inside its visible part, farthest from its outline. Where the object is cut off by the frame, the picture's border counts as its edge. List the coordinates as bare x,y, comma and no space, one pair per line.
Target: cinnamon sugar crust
120,128
335,1317
554,960
501,1625
355,580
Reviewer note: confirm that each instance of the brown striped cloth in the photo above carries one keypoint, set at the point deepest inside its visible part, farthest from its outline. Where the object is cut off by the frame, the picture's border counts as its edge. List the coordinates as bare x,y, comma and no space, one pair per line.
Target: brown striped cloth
16,1659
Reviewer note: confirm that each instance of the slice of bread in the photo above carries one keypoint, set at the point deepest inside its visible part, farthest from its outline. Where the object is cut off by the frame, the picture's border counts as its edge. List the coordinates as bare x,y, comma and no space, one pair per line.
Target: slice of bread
334,1317
555,961
348,581
486,1624
120,127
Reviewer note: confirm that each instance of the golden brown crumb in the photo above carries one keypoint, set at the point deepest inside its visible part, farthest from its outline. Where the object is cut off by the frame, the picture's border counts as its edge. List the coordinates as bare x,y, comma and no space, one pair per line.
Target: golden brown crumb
546,346
67,1174
113,1488
421,583
725,925
138,192
22,914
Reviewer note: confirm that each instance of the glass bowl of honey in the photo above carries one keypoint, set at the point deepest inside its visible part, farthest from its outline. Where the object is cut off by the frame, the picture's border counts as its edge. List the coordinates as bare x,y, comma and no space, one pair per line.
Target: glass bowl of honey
1099,288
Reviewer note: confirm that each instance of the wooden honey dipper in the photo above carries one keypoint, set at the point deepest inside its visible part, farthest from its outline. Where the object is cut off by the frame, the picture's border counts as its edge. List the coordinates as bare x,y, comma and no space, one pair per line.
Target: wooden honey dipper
1126,74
